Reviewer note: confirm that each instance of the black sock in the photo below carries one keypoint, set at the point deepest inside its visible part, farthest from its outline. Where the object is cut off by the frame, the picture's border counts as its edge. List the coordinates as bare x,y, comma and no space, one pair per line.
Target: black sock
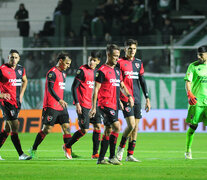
76,136
123,142
39,138
3,137
131,147
113,140
96,140
66,138
104,147
16,142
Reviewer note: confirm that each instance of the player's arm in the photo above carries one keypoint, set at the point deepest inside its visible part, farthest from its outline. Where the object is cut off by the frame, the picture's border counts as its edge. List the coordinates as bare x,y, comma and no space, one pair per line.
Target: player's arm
3,95
51,80
24,86
92,112
76,83
191,98
125,91
145,92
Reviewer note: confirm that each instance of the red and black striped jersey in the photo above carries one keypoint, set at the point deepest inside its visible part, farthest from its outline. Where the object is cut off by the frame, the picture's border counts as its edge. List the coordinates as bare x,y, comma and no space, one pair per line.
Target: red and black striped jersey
131,72
54,88
85,75
109,92
11,82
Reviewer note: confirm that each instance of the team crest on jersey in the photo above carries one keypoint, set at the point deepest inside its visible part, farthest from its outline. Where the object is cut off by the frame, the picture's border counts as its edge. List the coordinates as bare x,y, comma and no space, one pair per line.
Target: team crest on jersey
49,118
137,65
128,109
78,71
9,72
112,112
125,65
20,72
117,72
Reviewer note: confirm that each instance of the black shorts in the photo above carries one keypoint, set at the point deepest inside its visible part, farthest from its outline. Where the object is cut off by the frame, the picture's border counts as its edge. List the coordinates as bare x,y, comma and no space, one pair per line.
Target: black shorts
134,111
83,119
98,117
109,115
9,111
51,116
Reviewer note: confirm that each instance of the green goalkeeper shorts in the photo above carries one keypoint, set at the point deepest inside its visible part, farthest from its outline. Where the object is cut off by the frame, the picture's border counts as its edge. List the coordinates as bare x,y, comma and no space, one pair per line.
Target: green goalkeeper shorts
197,114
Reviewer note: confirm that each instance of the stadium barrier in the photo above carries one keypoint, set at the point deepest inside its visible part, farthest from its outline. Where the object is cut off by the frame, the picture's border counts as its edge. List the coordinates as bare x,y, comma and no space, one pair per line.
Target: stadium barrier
159,120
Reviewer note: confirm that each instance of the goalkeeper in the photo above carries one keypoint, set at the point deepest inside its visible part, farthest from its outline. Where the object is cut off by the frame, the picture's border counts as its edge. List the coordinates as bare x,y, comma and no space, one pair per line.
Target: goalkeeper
196,87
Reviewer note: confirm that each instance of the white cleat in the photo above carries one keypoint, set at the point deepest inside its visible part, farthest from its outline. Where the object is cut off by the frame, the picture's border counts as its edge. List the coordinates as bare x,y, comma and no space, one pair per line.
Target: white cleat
132,159
188,155
120,152
1,158
24,157
114,161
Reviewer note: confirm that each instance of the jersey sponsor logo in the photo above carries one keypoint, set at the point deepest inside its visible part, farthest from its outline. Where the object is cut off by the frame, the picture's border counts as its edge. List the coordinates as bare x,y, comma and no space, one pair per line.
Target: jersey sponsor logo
62,85
20,72
112,112
131,74
49,118
90,83
115,82
15,82
137,65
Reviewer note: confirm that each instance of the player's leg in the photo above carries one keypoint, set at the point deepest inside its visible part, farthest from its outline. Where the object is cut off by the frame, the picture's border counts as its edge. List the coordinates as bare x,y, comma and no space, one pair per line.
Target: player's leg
96,139
4,133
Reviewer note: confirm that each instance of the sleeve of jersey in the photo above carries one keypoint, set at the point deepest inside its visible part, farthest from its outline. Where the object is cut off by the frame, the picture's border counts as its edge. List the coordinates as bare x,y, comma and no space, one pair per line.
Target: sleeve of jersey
189,74
141,72
24,73
75,85
144,86
80,75
1,75
51,80
100,77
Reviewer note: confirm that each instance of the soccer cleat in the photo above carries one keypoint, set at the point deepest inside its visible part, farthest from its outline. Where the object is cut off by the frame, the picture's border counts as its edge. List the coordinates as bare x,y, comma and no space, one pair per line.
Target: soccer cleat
132,159
33,153
67,152
24,157
120,152
114,161
95,156
1,158
103,162
188,155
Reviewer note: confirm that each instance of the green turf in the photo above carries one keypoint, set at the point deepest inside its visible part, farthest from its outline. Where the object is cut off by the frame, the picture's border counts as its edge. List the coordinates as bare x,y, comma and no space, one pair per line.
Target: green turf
162,156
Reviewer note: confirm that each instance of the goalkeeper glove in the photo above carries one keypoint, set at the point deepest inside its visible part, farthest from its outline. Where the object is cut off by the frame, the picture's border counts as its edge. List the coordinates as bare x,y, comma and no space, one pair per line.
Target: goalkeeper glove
192,100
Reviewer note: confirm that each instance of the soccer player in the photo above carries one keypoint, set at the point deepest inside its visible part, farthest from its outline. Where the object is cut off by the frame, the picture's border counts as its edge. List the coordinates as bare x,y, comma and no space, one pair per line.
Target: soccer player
13,83
54,107
107,90
82,90
196,87
133,76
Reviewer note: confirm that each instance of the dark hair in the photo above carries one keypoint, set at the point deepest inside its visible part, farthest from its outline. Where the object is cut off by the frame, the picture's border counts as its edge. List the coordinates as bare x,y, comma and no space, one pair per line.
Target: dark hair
96,54
13,51
111,47
129,42
63,56
202,49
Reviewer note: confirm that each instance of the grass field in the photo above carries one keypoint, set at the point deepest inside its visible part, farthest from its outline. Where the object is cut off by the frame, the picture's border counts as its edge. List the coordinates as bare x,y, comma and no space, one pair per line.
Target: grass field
162,156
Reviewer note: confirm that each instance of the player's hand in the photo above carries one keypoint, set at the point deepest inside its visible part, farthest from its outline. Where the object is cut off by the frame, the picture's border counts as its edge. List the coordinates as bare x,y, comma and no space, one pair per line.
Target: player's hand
122,106
147,105
78,108
5,96
92,113
191,98
131,101
63,103
21,98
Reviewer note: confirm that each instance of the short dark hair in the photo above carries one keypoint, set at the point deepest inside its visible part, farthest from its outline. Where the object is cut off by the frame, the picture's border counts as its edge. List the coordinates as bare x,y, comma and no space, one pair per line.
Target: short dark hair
63,56
129,42
96,54
202,49
111,47
13,51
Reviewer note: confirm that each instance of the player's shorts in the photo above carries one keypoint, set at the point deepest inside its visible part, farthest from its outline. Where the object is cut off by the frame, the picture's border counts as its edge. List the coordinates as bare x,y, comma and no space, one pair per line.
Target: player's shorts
83,119
51,116
134,111
9,111
98,118
197,114
109,115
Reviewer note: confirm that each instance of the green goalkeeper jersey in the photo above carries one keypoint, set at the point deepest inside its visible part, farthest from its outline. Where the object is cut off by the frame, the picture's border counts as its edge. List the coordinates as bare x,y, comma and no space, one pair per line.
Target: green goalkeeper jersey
197,75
